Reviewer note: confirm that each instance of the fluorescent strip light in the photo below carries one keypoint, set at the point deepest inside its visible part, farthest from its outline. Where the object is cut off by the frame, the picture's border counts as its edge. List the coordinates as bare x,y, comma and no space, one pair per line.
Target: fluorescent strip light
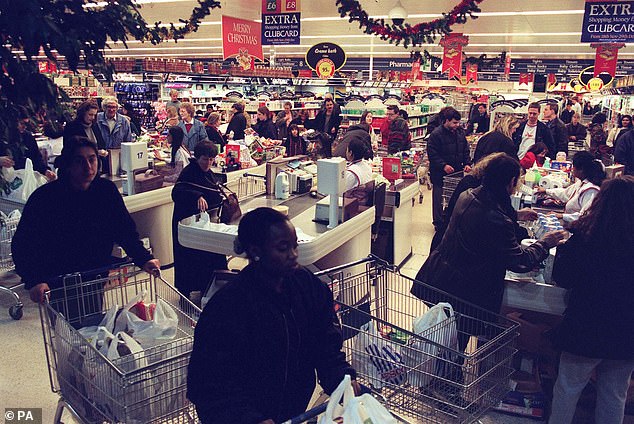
140,49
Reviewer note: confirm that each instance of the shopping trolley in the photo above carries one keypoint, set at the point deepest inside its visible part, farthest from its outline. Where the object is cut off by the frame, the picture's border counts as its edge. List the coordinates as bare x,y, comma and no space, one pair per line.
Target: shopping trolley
449,184
421,378
145,387
248,185
8,225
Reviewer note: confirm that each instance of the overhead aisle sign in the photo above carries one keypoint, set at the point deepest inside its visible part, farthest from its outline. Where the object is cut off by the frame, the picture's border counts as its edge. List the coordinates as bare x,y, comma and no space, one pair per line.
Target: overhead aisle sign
280,22
608,22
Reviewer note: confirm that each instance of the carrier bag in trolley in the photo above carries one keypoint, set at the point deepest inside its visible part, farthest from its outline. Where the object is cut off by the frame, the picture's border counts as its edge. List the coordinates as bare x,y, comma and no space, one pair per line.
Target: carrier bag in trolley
378,358
429,359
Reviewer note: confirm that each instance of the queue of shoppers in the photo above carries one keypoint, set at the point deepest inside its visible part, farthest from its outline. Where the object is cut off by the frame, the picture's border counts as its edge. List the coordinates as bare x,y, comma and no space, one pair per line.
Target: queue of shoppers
285,315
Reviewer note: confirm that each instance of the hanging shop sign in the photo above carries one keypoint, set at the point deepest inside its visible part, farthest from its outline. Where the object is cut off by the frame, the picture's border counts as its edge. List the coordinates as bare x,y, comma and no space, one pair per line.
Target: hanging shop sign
241,39
325,59
472,72
280,22
415,70
606,58
452,54
526,78
608,22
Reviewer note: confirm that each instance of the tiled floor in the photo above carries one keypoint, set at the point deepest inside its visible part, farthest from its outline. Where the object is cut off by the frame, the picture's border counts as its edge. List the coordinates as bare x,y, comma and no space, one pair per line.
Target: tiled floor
24,380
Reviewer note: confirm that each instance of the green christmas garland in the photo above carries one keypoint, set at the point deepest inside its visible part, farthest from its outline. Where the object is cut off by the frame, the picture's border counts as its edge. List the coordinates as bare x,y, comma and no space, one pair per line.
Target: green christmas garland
421,33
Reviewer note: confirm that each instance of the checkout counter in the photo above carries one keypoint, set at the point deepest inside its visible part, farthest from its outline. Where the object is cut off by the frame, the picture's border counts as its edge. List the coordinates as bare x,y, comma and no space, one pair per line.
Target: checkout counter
320,243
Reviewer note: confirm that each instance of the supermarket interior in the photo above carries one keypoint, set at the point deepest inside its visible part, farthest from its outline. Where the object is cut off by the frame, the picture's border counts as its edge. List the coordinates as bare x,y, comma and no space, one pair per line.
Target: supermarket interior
285,211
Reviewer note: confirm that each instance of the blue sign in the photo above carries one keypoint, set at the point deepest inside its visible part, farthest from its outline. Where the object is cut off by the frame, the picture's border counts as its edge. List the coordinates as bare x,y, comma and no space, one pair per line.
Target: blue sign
608,22
280,28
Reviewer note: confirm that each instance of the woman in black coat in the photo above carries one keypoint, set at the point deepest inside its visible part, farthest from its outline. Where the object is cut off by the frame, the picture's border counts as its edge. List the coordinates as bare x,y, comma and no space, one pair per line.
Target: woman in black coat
480,244
211,127
238,122
597,332
498,140
265,126
196,191
261,338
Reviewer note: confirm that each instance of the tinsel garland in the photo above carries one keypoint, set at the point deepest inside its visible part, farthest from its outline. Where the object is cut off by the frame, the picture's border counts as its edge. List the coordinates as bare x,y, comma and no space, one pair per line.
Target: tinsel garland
159,33
416,35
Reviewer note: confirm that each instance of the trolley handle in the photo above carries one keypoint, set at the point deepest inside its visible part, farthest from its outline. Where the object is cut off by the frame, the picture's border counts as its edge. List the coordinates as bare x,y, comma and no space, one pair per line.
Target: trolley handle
370,258
247,174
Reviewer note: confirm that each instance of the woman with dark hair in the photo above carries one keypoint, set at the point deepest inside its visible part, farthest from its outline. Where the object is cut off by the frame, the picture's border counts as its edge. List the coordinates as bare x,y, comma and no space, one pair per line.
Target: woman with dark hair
598,136
196,191
578,197
261,338
237,124
180,154
480,243
473,180
596,332
294,143
536,154
624,125
265,126
284,121
71,225
358,171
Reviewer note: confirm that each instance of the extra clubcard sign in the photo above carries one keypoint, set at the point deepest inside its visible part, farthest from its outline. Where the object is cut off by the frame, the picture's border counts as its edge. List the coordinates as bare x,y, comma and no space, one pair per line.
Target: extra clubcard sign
241,39
280,22
325,59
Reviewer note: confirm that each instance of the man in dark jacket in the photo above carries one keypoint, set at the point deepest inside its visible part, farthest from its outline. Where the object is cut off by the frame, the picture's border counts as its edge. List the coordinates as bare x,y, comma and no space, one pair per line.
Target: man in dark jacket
448,152
395,131
70,225
567,113
556,127
480,120
480,243
359,131
327,121
624,152
532,131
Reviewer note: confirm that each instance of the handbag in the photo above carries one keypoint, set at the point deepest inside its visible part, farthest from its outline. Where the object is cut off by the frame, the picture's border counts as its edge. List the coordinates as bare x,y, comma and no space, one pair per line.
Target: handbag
230,208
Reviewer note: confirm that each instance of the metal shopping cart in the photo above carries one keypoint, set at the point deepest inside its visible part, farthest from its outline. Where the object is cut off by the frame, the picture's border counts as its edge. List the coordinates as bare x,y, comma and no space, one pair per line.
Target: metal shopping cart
418,375
148,386
8,225
248,185
449,184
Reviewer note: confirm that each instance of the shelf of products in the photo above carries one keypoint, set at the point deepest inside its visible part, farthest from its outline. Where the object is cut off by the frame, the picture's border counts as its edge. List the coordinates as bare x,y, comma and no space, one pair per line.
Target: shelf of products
141,96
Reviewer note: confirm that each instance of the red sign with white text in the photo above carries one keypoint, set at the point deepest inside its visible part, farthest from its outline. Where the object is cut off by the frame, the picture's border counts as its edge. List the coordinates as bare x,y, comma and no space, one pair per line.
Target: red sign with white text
452,54
415,70
241,39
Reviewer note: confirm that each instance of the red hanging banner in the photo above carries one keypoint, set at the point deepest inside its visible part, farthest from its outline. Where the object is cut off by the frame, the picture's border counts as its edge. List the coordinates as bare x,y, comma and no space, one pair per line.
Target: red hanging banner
241,39
507,65
472,72
415,70
606,57
525,78
452,54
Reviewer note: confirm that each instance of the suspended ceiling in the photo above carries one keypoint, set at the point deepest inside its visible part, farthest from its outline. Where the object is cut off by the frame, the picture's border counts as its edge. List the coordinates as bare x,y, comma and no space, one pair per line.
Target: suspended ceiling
526,29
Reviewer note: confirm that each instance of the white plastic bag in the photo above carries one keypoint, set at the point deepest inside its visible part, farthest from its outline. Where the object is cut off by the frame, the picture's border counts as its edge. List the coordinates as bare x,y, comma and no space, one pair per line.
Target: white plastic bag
364,409
160,329
107,323
425,359
29,183
378,358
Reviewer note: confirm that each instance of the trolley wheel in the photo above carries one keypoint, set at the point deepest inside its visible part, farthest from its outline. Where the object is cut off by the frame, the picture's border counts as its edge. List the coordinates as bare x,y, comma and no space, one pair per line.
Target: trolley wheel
16,312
